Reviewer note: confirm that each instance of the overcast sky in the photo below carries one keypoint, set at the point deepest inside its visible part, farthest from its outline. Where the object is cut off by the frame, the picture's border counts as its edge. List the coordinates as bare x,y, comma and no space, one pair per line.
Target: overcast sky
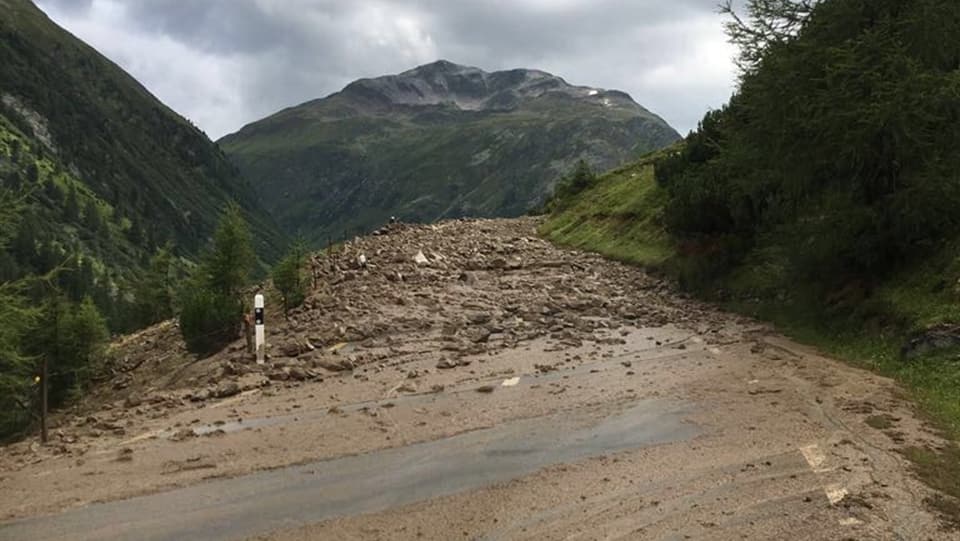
225,63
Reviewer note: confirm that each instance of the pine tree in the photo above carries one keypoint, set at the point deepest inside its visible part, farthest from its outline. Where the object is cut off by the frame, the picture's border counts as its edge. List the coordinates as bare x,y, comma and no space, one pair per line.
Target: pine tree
92,218
16,319
288,276
229,263
211,307
154,293
71,207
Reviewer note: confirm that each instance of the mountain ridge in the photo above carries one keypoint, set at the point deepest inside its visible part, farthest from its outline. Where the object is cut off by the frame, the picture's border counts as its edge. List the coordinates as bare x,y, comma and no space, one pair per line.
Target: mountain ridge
441,140
112,172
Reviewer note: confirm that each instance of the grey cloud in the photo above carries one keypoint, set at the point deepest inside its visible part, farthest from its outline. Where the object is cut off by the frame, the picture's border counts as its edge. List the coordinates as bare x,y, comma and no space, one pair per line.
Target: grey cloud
69,6
269,54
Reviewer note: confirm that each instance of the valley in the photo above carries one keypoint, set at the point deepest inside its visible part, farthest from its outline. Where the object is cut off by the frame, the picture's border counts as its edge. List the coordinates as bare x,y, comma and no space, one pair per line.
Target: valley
498,305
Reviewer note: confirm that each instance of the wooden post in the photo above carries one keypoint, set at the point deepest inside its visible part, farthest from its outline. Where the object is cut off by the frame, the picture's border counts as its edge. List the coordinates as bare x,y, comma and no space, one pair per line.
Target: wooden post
43,401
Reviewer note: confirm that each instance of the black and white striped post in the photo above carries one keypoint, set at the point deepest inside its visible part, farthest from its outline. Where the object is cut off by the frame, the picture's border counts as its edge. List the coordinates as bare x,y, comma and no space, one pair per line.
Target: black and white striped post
258,323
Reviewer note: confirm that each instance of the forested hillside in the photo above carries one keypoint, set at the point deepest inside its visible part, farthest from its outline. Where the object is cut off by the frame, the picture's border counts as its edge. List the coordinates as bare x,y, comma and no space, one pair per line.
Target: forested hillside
84,118
825,196
109,198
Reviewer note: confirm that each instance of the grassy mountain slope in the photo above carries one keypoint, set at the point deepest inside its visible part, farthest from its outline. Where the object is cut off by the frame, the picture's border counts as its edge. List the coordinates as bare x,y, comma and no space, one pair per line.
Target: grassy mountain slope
438,141
84,114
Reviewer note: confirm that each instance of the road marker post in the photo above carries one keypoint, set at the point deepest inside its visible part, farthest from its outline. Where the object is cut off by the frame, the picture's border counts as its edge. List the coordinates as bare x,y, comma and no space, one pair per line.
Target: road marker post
258,323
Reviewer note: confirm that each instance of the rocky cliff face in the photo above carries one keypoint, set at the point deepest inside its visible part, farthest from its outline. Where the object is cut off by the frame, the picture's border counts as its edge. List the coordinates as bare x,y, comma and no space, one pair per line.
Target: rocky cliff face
438,141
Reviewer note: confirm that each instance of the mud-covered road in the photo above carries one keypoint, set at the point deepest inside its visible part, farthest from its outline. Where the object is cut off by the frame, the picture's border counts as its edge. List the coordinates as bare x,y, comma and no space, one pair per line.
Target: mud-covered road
473,381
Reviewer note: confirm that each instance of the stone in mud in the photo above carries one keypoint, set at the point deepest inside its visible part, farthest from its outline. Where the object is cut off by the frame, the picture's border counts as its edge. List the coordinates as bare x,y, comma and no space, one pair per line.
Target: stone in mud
278,375
226,390
420,259
199,396
336,365
514,263
298,374
446,364
183,434
478,335
486,389
498,263
468,278
479,318
125,455
132,401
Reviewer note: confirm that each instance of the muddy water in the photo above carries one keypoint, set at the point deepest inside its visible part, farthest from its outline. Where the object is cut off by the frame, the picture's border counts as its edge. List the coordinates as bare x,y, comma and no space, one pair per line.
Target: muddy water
288,497
638,354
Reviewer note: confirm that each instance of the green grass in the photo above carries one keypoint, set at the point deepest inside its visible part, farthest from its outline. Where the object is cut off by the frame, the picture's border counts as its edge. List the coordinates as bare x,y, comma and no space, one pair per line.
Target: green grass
620,217
617,218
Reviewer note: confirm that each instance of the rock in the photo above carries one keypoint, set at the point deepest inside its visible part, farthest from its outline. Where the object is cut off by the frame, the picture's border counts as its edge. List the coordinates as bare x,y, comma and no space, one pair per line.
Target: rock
446,364
931,341
278,375
298,374
183,434
125,455
468,278
479,318
486,389
478,335
515,263
290,349
229,369
336,365
407,388
420,259
253,381
226,390
132,401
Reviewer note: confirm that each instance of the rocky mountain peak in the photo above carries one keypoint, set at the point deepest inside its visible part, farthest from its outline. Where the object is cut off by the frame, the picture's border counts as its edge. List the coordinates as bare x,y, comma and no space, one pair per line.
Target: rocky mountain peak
469,88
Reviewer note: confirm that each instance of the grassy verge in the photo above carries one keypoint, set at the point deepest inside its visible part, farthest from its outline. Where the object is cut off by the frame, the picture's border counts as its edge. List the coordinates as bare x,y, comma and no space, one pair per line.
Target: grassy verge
620,218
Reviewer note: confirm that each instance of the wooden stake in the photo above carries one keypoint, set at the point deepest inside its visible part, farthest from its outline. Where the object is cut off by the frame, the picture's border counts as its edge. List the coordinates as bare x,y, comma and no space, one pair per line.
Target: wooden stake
43,402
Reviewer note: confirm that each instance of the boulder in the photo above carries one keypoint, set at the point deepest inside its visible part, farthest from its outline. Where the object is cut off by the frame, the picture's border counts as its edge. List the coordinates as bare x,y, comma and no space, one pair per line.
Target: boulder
227,389
336,365
931,341
446,364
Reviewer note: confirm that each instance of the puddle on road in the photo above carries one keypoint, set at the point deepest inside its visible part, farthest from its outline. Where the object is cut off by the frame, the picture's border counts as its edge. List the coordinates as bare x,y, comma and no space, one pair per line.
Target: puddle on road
294,496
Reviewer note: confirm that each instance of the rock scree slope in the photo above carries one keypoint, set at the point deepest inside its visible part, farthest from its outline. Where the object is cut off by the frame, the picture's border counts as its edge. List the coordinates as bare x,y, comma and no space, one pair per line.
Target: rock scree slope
479,328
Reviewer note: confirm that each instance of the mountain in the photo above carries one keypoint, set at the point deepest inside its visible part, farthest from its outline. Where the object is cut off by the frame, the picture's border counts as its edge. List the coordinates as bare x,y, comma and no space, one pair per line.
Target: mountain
438,141
111,171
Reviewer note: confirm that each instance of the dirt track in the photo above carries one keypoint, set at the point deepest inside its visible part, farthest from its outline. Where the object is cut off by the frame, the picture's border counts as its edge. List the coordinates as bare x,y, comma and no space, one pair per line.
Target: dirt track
398,351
